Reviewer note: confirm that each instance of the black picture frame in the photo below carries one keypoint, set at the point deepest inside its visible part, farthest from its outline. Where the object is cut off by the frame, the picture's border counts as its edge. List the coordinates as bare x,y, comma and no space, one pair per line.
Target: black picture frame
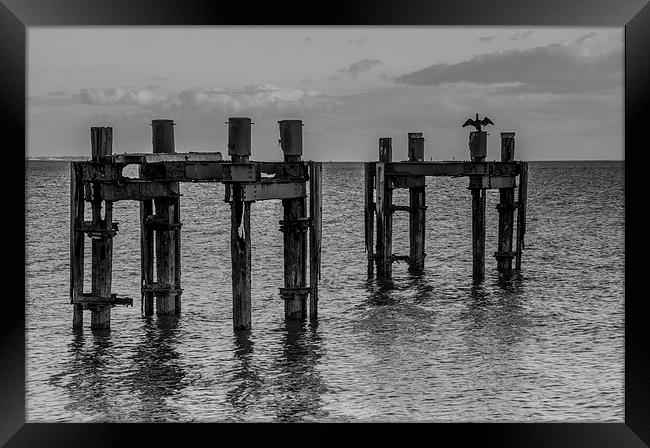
16,15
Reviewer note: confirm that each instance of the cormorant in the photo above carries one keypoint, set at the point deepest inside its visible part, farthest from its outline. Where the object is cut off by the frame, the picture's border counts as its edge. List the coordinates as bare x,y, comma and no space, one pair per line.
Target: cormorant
478,123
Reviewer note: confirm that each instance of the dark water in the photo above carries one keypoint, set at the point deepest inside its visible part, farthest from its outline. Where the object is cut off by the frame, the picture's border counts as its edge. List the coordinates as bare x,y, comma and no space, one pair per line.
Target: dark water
548,346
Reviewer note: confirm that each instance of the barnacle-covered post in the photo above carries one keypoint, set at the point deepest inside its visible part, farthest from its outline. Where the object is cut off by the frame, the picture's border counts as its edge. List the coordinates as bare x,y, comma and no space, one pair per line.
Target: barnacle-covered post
506,208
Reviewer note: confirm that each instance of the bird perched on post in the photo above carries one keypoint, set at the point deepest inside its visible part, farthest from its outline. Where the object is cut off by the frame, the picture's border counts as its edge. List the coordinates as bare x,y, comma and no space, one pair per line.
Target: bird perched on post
478,123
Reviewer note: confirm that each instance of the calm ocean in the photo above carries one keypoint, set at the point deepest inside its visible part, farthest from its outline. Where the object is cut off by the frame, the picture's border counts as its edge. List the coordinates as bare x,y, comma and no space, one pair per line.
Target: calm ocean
547,346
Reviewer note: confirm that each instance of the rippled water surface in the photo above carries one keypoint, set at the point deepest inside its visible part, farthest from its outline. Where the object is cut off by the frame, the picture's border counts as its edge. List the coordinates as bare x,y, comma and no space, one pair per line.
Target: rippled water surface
547,346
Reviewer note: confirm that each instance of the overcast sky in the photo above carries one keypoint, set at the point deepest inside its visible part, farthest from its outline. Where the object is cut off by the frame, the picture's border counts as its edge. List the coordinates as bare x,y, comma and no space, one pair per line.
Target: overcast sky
559,89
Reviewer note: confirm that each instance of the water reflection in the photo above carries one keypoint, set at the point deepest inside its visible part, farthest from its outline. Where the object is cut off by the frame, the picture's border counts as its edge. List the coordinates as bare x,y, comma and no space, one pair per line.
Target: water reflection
87,375
248,382
299,386
157,373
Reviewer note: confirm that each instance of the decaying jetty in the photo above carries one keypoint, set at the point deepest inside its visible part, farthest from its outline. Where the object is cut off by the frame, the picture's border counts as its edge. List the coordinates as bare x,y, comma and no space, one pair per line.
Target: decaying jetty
384,175
100,182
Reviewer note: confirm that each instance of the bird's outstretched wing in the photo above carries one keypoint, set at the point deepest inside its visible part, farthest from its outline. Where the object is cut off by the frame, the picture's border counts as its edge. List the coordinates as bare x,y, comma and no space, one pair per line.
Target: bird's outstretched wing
485,121
469,122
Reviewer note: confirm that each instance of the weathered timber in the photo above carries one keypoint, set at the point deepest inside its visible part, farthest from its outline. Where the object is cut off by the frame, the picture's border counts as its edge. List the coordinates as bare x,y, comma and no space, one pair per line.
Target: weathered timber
166,245
239,149
77,205
385,149
521,213
270,189
113,300
478,151
384,244
149,158
417,207
369,212
293,228
139,190
506,208
452,168
315,214
146,256
102,249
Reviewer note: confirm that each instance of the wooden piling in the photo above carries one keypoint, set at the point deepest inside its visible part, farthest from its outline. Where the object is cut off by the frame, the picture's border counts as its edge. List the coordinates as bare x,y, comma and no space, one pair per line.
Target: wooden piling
166,292
315,213
102,247
369,209
77,238
294,227
239,149
478,152
417,207
146,256
521,212
506,208
384,215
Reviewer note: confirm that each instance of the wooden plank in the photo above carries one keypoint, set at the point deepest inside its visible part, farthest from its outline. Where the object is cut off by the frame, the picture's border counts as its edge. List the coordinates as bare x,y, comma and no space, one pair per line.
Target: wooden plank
315,213
139,190
369,209
521,213
77,205
89,299
199,157
99,171
407,181
262,191
452,168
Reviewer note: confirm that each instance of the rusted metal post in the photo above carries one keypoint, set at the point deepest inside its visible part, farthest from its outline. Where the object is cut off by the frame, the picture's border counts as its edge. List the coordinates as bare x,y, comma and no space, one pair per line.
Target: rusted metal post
521,212
165,225
239,149
369,209
102,246
506,208
294,226
77,238
384,192
478,151
315,213
417,206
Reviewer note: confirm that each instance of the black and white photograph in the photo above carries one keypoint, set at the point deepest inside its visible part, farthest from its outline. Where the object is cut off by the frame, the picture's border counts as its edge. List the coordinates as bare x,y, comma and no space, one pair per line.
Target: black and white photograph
325,224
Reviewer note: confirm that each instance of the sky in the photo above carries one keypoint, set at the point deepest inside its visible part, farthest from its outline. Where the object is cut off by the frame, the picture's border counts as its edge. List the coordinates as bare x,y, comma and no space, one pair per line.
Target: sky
559,89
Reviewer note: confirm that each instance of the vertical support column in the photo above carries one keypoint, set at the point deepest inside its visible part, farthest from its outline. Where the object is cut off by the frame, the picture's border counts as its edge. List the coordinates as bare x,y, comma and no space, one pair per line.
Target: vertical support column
506,208
77,237
478,152
294,227
239,149
369,209
102,247
384,192
146,255
521,212
167,294
315,212
417,207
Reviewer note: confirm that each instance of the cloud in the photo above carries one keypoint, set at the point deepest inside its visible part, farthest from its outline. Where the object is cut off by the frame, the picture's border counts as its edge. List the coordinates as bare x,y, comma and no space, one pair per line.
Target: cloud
572,67
521,36
487,38
360,67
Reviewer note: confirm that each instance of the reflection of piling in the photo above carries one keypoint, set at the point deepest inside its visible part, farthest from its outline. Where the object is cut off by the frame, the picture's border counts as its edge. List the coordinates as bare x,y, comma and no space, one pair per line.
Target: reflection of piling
478,151
384,202
417,206
294,226
239,149
506,207
102,244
